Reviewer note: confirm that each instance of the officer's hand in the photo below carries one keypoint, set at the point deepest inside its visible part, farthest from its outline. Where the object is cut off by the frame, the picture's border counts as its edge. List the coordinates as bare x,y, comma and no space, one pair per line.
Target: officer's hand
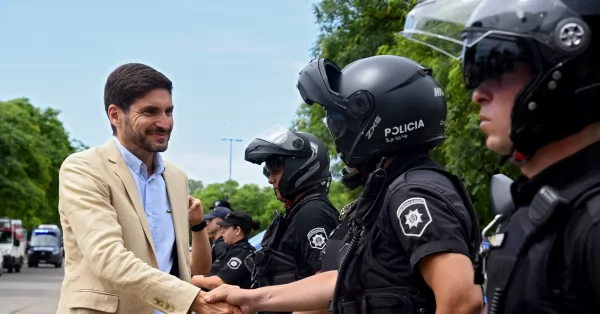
201,306
232,295
196,280
196,211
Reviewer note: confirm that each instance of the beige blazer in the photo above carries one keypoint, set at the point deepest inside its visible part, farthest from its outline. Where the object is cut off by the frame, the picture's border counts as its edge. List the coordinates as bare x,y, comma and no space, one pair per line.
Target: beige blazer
110,265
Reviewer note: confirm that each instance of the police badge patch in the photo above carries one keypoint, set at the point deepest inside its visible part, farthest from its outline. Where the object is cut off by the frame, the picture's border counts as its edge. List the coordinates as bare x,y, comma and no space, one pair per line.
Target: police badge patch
234,263
317,238
414,216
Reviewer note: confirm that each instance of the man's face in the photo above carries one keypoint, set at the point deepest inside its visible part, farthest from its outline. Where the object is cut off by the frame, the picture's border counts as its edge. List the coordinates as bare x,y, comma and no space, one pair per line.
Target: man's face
149,121
212,229
496,98
274,178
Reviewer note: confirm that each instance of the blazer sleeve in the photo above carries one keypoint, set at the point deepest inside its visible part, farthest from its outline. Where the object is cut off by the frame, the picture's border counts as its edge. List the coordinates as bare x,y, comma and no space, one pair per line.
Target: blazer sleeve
85,203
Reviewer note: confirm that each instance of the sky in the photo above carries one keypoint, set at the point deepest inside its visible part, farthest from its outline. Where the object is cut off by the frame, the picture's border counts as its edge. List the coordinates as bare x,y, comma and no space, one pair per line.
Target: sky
234,66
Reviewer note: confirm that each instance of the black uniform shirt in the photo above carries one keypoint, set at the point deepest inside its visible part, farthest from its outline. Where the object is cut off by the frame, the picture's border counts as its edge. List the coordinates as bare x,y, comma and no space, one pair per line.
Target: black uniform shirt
230,265
425,216
580,273
306,233
218,248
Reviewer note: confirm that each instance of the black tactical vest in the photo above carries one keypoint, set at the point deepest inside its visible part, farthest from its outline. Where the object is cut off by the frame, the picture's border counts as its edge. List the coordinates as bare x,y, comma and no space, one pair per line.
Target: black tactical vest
269,266
525,259
337,242
361,285
242,248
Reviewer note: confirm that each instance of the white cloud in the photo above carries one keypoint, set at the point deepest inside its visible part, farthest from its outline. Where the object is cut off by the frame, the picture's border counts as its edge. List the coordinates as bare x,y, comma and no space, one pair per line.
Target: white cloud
214,168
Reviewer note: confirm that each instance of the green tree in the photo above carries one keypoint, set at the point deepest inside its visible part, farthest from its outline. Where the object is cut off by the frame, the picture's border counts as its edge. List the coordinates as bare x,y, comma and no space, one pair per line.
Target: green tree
33,145
259,202
195,186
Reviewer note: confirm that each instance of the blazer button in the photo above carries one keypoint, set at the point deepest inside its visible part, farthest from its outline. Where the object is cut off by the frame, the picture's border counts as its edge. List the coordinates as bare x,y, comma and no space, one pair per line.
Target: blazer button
155,301
171,308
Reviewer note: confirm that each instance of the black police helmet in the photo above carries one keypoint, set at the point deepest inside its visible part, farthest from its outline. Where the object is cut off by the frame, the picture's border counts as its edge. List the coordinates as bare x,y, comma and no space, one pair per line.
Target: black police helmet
302,156
377,106
559,39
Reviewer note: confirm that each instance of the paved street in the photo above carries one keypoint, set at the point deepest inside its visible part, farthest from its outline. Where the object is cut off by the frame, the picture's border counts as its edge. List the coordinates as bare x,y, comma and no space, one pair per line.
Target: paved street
33,291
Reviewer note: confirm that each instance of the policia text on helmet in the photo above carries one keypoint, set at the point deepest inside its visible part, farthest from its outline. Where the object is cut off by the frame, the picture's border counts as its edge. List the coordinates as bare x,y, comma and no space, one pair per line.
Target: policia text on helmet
386,113
534,69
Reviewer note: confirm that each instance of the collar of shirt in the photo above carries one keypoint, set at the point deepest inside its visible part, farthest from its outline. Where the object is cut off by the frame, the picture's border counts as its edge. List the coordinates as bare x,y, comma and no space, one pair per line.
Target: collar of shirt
559,175
402,164
136,165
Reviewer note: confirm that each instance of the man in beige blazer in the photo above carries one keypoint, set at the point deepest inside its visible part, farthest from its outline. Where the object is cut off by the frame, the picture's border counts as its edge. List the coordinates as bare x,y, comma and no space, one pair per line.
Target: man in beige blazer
124,211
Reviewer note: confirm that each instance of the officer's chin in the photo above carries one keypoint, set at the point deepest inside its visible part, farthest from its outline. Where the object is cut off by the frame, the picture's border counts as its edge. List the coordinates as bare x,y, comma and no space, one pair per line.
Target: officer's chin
277,194
501,145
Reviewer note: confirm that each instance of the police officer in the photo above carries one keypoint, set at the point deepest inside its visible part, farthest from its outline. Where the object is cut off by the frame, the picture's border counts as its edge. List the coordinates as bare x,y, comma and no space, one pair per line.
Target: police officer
229,268
525,61
413,232
214,232
297,166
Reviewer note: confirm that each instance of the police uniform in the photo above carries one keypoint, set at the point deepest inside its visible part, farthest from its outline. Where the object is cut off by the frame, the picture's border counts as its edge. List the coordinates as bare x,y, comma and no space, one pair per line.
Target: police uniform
425,211
558,270
230,265
218,248
219,211
292,245
337,242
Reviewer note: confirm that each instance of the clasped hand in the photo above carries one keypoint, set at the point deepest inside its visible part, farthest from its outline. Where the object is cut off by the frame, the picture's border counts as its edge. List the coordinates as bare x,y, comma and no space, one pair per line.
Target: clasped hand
240,299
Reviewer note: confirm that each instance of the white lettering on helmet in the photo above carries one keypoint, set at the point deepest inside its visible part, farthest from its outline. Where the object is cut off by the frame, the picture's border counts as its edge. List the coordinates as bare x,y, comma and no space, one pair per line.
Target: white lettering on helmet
405,128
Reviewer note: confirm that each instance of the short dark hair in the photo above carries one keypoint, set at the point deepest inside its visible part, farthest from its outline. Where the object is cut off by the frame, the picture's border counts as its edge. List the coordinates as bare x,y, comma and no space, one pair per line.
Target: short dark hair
130,82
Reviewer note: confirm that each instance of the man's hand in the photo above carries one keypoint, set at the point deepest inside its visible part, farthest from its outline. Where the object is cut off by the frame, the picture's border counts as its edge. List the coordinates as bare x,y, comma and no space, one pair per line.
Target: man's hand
201,307
232,295
196,211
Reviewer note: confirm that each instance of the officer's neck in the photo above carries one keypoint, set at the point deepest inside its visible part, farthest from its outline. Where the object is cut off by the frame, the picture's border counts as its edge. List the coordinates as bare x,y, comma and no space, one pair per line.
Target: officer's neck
300,195
559,150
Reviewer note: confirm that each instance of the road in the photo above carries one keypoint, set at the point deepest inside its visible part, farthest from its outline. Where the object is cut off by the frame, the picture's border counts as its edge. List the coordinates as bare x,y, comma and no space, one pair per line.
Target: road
33,291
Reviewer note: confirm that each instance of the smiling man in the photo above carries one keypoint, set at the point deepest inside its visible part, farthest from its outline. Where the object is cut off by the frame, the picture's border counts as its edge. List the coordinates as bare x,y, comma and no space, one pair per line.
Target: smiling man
124,211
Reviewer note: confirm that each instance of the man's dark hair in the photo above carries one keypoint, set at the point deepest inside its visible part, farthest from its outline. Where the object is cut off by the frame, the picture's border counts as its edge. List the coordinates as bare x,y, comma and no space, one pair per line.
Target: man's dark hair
130,82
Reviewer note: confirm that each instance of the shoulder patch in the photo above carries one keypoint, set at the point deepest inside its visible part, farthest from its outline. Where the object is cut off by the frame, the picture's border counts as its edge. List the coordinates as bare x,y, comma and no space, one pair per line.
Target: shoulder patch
234,263
414,217
317,238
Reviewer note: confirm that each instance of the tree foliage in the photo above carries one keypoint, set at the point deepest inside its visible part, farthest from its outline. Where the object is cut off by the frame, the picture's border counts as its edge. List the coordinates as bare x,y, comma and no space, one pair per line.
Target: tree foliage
259,202
354,29
33,145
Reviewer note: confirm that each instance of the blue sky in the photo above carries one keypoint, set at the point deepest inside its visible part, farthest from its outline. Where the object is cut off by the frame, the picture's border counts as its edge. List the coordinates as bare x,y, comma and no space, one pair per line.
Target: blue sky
234,65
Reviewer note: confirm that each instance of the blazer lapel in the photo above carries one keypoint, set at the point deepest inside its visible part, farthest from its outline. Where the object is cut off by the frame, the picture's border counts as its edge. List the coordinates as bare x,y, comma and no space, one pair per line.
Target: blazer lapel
123,172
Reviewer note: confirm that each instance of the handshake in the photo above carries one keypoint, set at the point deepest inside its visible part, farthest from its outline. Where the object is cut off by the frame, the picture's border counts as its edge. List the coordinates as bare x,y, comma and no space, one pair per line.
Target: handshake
225,299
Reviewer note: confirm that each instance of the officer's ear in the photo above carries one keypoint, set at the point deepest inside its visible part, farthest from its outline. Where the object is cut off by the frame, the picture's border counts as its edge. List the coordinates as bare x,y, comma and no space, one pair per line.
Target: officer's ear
238,230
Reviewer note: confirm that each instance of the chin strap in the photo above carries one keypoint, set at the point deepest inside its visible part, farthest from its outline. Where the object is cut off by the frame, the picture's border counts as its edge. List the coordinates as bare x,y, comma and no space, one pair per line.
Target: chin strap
515,158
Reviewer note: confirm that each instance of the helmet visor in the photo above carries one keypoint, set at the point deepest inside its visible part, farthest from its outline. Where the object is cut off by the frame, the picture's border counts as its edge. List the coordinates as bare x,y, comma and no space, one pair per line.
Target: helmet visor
282,137
492,57
550,22
438,24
